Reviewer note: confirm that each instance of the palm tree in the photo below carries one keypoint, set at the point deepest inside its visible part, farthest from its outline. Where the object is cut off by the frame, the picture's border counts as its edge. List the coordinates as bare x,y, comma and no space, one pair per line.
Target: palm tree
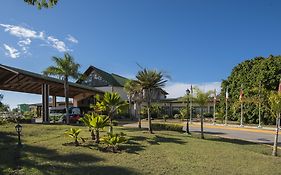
99,122
64,69
275,108
113,104
151,83
87,121
201,99
135,94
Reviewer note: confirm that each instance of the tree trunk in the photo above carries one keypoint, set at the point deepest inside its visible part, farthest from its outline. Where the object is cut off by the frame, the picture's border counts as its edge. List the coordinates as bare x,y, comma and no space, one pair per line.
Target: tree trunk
97,136
138,114
93,134
66,99
148,114
274,152
111,124
76,142
201,121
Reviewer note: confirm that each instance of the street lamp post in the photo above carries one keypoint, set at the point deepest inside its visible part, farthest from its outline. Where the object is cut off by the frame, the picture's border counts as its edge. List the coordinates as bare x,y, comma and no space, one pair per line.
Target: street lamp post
18,128
187,103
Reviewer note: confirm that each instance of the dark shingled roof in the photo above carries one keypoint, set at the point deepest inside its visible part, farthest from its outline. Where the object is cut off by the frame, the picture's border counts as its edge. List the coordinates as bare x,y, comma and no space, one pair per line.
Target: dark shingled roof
111,79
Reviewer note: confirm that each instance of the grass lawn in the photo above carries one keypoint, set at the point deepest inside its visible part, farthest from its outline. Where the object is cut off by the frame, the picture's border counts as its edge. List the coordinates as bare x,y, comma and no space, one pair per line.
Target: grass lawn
46,151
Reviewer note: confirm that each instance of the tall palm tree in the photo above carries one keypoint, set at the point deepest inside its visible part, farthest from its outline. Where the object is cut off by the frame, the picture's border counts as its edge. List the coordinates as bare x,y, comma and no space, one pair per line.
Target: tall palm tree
113,104
64,68
201,98
151,83
135,94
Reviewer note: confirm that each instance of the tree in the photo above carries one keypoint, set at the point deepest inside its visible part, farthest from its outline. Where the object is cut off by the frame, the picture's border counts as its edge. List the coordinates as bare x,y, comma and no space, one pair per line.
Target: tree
151,83
87,121
201,98
64,68
99,122
74,133
42,3
134,92
275,108
112,104
251,73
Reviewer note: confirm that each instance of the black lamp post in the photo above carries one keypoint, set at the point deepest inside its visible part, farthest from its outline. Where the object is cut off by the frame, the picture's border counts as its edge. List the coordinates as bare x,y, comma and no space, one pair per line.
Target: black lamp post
187,104
18,128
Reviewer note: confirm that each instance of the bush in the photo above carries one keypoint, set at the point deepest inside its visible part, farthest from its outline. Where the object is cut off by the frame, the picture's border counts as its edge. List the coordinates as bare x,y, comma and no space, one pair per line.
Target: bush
166,126
3,121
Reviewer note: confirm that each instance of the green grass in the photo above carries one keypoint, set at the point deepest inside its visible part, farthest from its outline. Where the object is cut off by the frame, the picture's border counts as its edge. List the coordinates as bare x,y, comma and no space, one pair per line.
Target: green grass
46,151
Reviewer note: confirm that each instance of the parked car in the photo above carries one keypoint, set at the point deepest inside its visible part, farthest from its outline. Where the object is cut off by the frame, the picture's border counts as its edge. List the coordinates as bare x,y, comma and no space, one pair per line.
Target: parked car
74,114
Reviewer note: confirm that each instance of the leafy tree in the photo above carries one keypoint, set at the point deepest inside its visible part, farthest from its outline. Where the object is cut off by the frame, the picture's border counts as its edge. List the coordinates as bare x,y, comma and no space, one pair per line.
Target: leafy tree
251,73
113,140
201,98
113,104
42,3
98,122
151,83
64,68
74,133
275,108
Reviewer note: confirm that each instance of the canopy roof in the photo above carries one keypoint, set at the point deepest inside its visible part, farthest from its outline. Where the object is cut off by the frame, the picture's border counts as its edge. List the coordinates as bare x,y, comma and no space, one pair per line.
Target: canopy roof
14,79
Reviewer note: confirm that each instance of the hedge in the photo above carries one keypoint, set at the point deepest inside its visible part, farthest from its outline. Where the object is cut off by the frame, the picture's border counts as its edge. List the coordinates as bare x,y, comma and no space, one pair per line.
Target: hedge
167,126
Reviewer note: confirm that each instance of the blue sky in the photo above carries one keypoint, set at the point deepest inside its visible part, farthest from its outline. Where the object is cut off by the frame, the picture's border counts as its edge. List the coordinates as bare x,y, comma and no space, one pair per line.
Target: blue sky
193,41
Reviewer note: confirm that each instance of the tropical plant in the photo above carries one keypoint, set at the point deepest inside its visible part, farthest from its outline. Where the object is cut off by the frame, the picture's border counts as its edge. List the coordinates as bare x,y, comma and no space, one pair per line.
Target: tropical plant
183,113
135,96
87,120
165,117
74,133
98,122
201,98
112,104
275,108
113,140
64,69
42,3
151,83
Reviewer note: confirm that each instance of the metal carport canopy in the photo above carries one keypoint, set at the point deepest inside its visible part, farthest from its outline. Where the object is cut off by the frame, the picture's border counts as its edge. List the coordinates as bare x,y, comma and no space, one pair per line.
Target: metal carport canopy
14,79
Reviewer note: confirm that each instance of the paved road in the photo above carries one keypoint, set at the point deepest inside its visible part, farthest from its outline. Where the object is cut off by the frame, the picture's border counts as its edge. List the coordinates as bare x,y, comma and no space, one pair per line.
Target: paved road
250,134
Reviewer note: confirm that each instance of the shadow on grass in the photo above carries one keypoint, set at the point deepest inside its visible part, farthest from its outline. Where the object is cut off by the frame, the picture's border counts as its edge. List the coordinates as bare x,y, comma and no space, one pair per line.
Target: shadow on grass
234,141
159,139
37,159
132,129
210,132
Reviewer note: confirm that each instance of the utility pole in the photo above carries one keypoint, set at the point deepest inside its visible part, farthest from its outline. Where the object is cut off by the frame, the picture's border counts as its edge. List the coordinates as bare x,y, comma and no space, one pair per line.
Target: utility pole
259,105
241,100
190,115
226,100
215,100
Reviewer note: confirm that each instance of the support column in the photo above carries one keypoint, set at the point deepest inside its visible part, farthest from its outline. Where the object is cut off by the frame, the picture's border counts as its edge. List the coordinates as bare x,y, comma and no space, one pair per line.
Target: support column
54,101
45,102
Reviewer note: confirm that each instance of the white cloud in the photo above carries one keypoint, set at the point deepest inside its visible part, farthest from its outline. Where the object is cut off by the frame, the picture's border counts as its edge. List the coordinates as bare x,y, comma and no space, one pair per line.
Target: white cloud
57,44
19,31
177,89
11,51
72,39
26,36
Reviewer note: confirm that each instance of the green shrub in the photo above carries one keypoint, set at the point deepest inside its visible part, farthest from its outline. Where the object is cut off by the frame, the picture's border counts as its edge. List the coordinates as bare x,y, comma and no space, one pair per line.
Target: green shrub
113,140
3,121
167,126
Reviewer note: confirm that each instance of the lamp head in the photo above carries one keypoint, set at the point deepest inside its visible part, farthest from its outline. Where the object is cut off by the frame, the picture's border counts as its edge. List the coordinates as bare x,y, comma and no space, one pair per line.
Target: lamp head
18,128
